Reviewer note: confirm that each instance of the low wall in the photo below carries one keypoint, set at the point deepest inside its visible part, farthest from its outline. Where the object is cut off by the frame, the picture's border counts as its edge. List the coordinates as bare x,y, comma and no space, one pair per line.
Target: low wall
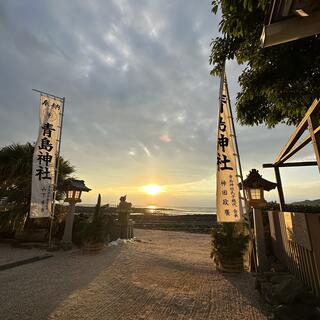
191,223
296,243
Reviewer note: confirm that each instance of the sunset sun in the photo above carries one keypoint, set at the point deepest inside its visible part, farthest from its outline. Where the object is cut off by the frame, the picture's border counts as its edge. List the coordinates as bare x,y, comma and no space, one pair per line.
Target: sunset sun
152,189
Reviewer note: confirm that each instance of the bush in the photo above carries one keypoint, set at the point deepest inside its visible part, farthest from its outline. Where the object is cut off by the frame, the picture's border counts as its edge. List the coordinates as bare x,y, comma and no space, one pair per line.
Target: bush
10,222
95,231
229,241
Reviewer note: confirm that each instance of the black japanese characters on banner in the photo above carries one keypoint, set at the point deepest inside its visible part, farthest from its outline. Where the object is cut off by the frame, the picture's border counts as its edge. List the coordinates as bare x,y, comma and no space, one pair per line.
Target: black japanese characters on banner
228,202
234,201
44,159
223,162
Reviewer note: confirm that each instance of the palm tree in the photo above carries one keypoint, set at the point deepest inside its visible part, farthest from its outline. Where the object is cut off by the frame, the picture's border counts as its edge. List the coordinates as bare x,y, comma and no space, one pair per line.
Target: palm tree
15,182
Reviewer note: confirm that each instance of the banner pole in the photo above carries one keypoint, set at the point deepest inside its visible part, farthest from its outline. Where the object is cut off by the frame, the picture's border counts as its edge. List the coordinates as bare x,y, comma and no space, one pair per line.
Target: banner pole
248,222
57,173
218,117
47,94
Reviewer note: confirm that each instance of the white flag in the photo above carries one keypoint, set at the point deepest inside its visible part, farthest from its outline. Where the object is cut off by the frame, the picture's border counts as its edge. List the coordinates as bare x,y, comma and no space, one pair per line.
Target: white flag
44,157
228,196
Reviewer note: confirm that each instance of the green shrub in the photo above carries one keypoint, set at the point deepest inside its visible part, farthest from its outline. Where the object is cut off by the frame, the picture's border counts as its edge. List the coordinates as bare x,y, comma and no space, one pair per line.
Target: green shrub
229,241
95,230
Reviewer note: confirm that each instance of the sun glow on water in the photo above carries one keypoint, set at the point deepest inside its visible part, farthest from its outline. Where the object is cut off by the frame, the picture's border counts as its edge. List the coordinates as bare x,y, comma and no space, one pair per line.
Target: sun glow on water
151,209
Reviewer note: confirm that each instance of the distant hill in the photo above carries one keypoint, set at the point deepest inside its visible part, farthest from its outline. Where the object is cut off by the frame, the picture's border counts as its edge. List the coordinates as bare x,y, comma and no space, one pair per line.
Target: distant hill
309,203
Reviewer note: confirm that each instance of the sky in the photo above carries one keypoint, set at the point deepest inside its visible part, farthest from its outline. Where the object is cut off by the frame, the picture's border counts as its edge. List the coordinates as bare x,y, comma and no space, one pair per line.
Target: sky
141,106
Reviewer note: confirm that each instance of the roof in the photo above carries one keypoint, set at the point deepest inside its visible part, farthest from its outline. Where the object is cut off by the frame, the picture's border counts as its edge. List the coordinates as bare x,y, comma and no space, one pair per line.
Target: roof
255,180
74,184
283,9
290,20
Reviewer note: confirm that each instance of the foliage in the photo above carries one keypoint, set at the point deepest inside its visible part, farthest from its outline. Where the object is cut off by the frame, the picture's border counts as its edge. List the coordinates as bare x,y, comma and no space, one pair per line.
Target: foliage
294,207
15,182
95,231
11,221
278,83
229,241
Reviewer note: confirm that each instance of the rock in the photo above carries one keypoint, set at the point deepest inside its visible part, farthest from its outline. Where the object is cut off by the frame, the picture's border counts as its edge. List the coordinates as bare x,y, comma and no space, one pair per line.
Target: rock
258,282
268,275
287,291
295,312
267,292
278,278
310,299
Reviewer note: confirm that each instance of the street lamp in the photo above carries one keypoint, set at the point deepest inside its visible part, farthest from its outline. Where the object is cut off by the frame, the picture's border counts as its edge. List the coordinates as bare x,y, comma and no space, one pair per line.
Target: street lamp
255,186
73,189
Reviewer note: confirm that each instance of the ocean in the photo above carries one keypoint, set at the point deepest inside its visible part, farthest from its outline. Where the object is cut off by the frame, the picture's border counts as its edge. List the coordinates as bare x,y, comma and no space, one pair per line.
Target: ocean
170,211
175,211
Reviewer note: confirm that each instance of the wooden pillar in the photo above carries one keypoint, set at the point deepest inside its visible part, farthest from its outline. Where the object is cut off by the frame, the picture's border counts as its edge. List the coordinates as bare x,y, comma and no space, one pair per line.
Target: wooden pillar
262,261
279,187
315,138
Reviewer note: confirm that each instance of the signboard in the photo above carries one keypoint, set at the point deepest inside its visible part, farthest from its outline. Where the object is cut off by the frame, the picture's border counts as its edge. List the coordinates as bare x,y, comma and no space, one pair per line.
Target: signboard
45,157
228,194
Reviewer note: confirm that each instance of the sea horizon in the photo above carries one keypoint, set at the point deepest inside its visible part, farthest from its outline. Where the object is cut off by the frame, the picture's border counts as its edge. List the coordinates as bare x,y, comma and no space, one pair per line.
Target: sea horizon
166,210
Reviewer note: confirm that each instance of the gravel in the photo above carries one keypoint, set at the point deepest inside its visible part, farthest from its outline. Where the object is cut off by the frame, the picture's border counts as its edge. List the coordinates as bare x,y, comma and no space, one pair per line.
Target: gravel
162,275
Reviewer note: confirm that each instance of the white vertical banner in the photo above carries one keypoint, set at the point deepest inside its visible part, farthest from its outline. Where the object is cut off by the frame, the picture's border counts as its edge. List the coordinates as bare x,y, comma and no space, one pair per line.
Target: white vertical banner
45,156
228,194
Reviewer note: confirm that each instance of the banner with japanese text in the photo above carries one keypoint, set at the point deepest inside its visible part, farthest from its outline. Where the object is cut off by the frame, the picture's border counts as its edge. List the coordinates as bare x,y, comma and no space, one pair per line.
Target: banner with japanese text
228,194
44,157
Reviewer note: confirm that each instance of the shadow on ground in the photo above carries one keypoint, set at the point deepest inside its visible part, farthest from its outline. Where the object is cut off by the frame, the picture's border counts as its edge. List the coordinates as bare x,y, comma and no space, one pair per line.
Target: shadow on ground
33,291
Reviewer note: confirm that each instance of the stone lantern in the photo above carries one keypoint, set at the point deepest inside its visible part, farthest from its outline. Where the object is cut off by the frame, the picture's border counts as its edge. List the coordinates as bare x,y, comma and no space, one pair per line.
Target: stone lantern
73,189
255,186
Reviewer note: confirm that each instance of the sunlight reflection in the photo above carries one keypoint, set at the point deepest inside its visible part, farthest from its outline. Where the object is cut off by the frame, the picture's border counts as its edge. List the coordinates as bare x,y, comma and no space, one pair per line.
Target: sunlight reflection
151,209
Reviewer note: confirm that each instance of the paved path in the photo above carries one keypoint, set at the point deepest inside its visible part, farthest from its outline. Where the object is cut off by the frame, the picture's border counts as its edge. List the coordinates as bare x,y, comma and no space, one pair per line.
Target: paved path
163,275
9,254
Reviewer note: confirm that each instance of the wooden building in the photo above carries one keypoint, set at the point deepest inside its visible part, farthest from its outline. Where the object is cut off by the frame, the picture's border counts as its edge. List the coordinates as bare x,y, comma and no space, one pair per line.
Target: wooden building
289,20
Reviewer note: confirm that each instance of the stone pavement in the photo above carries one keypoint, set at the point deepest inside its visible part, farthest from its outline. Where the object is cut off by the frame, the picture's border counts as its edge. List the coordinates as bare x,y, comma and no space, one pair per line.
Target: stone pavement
163,275
9,254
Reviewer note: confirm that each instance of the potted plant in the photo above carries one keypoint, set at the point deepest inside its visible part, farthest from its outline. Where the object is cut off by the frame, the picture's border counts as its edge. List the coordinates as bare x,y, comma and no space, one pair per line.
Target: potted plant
229,243
94,232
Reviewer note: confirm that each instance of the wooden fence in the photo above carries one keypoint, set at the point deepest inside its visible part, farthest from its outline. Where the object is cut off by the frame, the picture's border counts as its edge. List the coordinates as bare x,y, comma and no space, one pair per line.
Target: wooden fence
296,243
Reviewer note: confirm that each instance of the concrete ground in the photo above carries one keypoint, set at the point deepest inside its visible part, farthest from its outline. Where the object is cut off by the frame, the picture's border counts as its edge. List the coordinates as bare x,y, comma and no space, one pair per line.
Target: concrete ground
162,275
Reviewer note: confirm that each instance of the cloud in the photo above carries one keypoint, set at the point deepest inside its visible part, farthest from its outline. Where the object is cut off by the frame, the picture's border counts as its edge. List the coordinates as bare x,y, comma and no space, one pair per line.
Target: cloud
132,73
165,138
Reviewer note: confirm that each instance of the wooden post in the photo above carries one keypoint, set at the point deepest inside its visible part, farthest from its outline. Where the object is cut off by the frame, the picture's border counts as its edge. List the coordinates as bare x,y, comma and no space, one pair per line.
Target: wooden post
279,187
262,262
315,138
